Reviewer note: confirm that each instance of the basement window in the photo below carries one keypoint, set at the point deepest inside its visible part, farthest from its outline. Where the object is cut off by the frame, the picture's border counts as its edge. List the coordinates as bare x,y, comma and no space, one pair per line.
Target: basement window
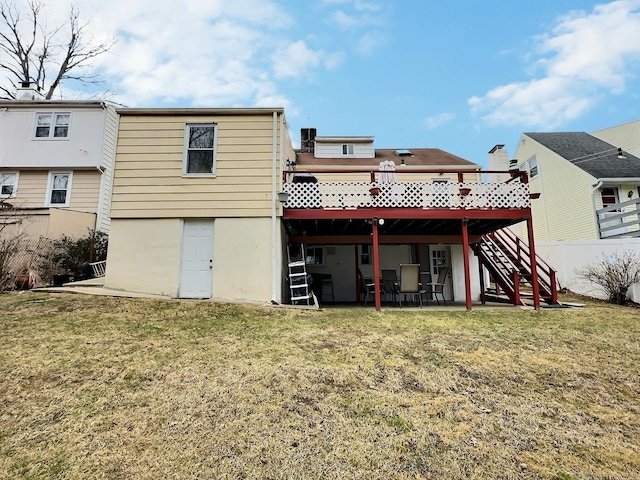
314,255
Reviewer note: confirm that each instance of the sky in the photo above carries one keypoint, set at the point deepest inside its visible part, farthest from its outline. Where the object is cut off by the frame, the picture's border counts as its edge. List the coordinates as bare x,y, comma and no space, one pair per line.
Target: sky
459,75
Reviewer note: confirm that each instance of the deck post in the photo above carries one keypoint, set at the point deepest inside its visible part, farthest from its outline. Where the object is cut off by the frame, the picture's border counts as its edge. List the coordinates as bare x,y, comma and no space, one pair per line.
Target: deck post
534,264
357,275
465,259
376,264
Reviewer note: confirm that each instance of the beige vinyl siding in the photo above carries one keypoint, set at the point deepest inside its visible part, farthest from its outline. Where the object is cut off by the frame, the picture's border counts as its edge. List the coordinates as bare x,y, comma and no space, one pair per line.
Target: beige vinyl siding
32,189
564,211
148,180
108,155
626,136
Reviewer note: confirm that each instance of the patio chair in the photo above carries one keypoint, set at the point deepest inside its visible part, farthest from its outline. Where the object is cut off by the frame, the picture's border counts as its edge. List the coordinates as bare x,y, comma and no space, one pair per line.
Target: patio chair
366,287
410,282
390,284
437,288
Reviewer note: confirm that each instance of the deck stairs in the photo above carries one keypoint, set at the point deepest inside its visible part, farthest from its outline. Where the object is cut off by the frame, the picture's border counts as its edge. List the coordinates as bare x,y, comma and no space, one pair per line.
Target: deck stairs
506,257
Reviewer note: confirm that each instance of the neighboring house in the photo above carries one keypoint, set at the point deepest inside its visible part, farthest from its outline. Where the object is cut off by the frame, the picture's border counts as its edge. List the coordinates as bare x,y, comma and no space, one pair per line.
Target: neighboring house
206,201
56,164
586,184
590,193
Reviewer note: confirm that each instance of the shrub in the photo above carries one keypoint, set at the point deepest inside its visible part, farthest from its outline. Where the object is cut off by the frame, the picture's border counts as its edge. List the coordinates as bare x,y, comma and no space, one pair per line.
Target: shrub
614,273
70,254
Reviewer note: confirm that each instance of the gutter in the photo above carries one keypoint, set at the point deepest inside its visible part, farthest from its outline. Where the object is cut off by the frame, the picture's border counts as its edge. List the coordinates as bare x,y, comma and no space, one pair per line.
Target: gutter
274,219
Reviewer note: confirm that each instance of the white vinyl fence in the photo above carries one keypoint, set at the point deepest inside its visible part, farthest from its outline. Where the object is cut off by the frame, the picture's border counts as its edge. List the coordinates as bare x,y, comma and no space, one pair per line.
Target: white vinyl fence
569,256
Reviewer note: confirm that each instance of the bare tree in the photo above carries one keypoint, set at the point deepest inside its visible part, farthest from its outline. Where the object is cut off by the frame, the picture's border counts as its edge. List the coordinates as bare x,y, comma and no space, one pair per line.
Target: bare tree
614,273
31,51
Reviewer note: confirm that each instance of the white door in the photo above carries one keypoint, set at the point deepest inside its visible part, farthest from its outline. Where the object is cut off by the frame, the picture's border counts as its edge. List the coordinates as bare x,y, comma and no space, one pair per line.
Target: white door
197,259
441,258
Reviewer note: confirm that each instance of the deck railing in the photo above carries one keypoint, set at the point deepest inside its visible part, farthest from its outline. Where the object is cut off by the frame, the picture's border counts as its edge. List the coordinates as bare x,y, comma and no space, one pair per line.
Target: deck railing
620,220
425,194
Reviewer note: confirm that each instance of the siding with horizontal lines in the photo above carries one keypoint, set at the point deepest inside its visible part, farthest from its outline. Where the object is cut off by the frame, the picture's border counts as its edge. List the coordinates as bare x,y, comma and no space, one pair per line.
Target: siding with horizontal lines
148,180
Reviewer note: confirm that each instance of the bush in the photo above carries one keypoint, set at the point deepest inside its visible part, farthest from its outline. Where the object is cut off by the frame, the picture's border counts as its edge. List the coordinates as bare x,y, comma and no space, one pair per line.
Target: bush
615,274
70,255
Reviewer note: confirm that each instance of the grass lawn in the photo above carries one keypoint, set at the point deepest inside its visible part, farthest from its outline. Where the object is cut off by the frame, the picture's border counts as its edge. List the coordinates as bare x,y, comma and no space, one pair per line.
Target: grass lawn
96,387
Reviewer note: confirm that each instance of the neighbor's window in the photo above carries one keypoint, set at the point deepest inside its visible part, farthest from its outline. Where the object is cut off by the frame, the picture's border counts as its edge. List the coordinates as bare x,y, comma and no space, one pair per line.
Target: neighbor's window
609,196
200,143
8,184
59,189
314,256
52,125
347,149
531,166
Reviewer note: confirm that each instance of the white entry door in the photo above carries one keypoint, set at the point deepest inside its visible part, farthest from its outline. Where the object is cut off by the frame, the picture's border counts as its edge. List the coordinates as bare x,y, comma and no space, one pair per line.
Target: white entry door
197,259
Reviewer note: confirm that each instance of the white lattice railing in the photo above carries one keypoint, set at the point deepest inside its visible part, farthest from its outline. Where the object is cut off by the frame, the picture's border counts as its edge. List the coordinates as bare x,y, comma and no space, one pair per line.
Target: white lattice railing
340,195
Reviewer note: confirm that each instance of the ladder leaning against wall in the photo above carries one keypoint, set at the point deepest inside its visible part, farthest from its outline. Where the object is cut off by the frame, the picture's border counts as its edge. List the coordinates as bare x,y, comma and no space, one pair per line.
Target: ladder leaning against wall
299,279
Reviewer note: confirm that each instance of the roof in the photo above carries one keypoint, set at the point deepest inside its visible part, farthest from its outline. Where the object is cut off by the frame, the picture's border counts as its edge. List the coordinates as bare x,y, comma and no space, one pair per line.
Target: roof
420,157
199,111
596,157
334,139
42,104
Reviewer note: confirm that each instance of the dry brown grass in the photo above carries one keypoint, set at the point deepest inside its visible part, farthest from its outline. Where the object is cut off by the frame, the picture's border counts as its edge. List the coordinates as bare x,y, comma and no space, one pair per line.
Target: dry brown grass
95,387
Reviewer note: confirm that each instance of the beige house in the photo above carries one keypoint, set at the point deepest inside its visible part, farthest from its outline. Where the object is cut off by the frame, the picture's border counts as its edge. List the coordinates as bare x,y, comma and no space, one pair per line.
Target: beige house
194,211
206,203
56,164
589,187
589,205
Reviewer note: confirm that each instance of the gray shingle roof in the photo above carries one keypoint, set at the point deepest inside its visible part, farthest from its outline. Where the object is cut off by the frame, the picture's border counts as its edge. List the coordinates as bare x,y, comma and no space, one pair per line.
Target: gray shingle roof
596,157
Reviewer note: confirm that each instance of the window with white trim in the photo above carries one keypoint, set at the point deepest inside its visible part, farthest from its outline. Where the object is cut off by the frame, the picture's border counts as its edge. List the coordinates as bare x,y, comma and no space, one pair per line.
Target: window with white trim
314,255
531,166
59,190
348,149
8,184
52,125
200,149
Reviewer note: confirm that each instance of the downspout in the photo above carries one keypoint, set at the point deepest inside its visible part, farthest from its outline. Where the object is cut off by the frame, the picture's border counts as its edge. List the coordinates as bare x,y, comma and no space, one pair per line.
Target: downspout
99,215
274,211
593,205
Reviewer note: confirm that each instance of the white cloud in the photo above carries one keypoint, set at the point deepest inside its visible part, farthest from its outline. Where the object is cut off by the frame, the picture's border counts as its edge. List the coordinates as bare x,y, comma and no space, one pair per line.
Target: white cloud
584,57
198,52
440,119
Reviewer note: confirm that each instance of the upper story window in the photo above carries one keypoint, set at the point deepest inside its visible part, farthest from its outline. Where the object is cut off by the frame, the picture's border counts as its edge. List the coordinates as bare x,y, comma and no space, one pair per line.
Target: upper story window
531,166
348,149
8,184
52,125
200,149
59,189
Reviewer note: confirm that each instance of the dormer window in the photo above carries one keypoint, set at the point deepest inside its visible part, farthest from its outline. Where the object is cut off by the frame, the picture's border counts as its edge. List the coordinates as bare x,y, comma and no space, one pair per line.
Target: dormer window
52,125
348,150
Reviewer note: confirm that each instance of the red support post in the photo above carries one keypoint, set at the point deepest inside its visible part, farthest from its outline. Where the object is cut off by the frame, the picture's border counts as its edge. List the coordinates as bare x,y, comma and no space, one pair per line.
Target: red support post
483,287
534,264
465,258
376,263
357,276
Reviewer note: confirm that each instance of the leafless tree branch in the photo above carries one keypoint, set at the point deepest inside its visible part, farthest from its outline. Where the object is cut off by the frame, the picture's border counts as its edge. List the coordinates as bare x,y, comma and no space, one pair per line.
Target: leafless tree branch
32,52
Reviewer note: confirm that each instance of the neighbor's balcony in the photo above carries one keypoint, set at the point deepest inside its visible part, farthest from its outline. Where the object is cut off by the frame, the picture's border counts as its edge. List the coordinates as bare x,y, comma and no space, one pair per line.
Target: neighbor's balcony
308,190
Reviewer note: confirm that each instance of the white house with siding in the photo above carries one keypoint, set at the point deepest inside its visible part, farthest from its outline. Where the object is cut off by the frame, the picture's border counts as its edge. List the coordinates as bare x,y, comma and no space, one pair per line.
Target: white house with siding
56,163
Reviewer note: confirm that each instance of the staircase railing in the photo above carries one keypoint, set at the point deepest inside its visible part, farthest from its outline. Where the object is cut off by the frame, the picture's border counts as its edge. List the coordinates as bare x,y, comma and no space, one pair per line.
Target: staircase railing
519,254
501,268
